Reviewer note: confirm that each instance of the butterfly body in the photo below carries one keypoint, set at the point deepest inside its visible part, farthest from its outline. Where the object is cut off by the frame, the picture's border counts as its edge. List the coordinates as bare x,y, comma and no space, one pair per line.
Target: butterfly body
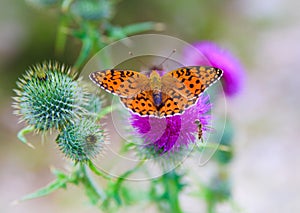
155,87
158,96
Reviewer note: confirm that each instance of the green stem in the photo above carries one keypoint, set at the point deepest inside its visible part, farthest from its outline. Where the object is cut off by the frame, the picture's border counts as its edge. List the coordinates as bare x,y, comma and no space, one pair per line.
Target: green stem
61,181
66,5
138,28
120,180
106,110
94,169
174,201
220,147
172,191
84,53
50,188
61,36
210,206
93,192
23,132
128,173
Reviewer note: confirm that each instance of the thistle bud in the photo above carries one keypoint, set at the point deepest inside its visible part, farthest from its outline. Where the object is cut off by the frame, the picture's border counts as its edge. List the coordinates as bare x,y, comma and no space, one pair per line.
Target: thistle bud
81,141
48,96
92,9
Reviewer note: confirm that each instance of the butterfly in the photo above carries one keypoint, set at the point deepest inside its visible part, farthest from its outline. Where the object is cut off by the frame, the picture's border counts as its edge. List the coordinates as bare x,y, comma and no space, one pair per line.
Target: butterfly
158,96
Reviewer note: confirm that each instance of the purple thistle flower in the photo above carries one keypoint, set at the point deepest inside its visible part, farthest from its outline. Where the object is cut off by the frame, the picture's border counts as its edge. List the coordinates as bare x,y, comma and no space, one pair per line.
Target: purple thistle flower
213,55
172,133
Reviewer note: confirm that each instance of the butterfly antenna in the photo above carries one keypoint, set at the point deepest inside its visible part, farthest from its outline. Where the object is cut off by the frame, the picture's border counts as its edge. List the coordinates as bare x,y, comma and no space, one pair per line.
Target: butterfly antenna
130,53
173,51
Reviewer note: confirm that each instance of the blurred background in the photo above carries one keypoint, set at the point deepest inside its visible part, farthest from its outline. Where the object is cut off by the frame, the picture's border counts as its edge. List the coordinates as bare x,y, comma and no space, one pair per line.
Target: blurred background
264,35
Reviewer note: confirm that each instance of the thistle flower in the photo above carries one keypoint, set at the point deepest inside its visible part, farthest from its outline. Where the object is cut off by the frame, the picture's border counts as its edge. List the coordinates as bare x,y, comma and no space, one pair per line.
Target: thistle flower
82,140
48,96
213,55
172,133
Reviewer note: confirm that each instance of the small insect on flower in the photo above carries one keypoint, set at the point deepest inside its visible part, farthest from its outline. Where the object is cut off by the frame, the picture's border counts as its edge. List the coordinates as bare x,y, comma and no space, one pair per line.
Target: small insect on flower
49,96
200,131
158,96
202,128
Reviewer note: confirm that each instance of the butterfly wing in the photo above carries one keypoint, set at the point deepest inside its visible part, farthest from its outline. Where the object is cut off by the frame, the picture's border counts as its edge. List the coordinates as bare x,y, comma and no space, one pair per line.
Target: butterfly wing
173,103
124,83
142,104
191,81
182,87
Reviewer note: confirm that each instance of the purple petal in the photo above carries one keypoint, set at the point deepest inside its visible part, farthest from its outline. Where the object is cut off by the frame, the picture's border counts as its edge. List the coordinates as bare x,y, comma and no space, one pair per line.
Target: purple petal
210,54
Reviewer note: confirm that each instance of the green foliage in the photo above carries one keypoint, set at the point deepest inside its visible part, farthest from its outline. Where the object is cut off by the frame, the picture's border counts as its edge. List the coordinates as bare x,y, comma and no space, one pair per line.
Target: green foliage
218,191
60,182
165,191
78,176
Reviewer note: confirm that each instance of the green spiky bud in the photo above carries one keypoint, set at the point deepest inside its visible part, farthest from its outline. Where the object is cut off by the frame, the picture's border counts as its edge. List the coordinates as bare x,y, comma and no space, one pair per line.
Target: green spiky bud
81,141
48,96
92,9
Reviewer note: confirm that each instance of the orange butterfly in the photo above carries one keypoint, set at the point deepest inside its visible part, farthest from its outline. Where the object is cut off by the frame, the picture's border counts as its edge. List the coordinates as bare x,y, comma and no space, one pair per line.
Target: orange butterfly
158,96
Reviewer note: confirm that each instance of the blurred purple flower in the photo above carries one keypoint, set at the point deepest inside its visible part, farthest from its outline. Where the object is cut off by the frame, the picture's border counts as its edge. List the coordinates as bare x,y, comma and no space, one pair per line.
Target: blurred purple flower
213,55
171,133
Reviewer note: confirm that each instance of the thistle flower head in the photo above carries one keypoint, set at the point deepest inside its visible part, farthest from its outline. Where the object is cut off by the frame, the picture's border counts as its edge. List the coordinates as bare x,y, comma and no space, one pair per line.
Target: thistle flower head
82,140
48,96
213,55
172,133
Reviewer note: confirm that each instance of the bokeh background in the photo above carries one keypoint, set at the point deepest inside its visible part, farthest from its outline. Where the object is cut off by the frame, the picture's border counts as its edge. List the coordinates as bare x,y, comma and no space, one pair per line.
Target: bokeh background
264,35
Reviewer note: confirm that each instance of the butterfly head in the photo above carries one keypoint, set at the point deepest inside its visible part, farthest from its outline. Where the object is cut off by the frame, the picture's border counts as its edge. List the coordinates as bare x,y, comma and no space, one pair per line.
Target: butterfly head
159,69
197,122
155,81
